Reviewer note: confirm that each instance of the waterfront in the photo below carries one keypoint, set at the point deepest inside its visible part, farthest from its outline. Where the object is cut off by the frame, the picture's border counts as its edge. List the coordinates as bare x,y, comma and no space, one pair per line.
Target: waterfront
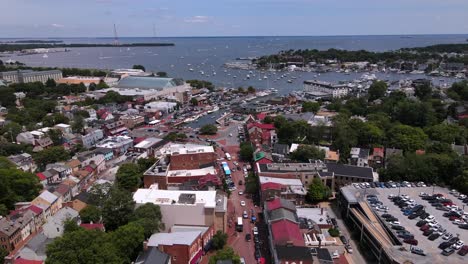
209,55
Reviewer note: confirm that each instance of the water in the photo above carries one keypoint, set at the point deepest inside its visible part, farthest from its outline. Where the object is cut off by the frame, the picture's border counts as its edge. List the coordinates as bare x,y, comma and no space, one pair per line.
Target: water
210,53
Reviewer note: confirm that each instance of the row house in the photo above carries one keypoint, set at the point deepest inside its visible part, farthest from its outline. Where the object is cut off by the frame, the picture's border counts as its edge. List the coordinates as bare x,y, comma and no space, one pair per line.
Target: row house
114,128
49,202
23,162
92,137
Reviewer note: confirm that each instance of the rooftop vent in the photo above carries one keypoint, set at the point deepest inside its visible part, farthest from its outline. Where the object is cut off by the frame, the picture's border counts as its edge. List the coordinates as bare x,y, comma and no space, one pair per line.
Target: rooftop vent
187,198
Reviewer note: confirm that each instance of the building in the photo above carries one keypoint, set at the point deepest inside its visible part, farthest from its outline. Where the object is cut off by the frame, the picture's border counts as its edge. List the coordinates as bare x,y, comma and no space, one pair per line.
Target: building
92,137
148,145
255,107
54,226
152,255
359,157
377,159
188,156
64,128
320,89
86,80
182,247
28,76
114,128
48,202
122,73
262,134
118,144
164,107
23,162
195,208
288,189
131,121
346,174
10,234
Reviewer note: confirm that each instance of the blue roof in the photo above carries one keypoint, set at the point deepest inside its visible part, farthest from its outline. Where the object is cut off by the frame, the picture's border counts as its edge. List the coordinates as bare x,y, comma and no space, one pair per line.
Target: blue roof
148,83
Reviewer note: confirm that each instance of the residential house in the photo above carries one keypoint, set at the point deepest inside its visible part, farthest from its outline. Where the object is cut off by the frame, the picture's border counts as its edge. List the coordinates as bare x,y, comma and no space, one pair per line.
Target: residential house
42,143
74,165
49,202
23,162
131,121
377,159
359,157
64,128
92,137
288,189
114,128
183,247
118,144
152,255
54,226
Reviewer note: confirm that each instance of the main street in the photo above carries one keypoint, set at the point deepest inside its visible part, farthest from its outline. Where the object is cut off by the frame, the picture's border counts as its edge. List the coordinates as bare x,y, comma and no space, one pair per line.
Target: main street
227,140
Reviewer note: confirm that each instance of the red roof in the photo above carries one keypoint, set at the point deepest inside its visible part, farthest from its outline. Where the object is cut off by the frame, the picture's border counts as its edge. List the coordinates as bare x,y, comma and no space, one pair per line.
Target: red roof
274,204
41,176
138,140
378,152
93,226
27,261
285,231
35,209
271,185
266,135
88,169
261,116
261,126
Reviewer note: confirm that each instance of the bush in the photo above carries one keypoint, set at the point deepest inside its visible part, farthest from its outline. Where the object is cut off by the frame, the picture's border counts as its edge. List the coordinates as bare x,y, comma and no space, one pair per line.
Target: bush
334,232
208,130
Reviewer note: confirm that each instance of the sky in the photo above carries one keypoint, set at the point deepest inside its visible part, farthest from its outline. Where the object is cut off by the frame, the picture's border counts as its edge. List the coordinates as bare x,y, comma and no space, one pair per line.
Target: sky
135,18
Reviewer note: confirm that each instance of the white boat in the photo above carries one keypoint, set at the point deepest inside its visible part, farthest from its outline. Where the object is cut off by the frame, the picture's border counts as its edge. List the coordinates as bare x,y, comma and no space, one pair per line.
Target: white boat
190,69
289,81
216,108
45,56
248,76
202,72
265,77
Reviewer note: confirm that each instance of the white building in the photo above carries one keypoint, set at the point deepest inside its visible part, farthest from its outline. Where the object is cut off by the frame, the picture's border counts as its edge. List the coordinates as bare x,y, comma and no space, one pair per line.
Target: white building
180,207
90,139
325,89
165,107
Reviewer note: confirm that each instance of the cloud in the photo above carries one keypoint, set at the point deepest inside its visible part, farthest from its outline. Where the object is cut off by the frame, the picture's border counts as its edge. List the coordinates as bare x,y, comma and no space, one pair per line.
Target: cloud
197,19
57,25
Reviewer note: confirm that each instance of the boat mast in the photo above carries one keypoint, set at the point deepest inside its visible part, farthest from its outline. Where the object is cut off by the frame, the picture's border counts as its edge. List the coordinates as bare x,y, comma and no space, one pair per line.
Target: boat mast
116,38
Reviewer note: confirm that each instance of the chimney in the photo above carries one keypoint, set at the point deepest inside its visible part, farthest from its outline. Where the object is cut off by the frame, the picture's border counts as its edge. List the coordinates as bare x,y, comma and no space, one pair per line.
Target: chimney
145,245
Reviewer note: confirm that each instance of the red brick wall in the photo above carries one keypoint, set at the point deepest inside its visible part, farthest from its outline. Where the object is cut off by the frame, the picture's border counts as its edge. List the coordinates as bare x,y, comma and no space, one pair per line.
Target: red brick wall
160,180
191,161
179,253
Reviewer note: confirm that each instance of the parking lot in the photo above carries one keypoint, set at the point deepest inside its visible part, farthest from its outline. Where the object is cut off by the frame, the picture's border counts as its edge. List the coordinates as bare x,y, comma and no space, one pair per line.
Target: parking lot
430,247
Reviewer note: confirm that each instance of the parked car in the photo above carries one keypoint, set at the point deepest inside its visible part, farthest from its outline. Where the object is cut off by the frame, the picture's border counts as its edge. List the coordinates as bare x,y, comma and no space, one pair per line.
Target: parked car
418,251
421,223
349,248
434,236
411,241
447,236
463,251
463,226
413,216
424,227
444,245
248,237
428,232
458,244
398,227
448,251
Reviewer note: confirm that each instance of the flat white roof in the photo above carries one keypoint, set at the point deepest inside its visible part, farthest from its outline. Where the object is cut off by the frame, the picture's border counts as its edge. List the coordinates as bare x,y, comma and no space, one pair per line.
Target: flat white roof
173,148
168,197
148,142
283,181
177,238
195,172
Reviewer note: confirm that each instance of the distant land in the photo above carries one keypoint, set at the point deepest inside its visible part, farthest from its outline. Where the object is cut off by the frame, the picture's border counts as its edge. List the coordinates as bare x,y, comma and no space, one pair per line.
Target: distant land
19,47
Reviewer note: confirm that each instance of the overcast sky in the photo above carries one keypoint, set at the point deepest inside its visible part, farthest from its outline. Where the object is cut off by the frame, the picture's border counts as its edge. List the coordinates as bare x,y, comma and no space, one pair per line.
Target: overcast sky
95,18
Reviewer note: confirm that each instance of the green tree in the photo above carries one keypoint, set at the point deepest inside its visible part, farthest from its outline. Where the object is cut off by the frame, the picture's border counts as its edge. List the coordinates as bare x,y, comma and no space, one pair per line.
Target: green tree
246,151
145,164
139,67
208,130
90,214
101,85
50,155
407,138
10,131
317,191
194,101
70,225
78,124
240,89
460,182
313,107
423,91
83,246
117,209
251,183
128,176
250,89
219,240
7,97
128,240
56,136
54,119
226,253
304,153
334,232
50,83
447,133
3,253
377,90
149,217
3,210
